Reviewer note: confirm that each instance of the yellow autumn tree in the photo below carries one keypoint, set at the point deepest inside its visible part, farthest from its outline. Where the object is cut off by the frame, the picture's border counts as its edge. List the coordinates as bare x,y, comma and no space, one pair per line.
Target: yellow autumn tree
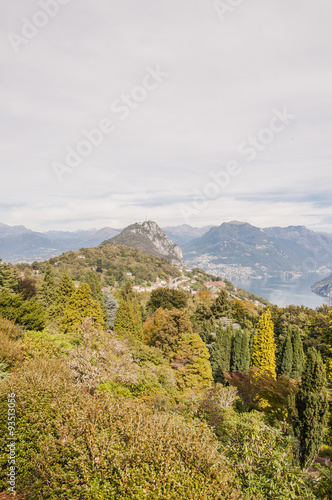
263,355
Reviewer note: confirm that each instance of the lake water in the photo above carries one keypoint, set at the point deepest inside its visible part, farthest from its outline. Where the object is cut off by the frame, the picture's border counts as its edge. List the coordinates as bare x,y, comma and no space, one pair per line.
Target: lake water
286,291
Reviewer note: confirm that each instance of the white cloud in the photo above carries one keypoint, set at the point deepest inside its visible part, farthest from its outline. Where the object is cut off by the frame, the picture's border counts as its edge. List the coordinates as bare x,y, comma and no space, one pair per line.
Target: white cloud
225,79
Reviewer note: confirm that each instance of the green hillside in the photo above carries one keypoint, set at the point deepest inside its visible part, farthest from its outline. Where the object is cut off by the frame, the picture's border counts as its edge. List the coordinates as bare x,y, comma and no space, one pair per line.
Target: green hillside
113,262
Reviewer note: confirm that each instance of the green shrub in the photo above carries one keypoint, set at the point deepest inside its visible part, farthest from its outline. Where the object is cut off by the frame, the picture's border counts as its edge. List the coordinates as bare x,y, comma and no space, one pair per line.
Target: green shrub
78,446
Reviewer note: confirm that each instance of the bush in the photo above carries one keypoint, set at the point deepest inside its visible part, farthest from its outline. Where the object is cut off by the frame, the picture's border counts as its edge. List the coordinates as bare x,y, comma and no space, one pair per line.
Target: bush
78,446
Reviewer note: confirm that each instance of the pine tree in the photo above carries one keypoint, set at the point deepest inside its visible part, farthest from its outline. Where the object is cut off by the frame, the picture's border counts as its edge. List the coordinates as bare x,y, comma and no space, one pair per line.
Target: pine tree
80,306
221,353
240,356
298,355
286,362
263,350
128,319
191,363
311,408
48,288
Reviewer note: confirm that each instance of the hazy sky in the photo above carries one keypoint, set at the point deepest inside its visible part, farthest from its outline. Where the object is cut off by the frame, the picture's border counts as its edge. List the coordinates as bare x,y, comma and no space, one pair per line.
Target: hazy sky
185,91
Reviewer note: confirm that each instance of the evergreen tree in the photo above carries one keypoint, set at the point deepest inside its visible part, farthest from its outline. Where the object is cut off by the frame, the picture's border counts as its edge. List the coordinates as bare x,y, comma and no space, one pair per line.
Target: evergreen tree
65,289
298,355
92,279
8,278
128,319
80,306
167,299
191,363
166,329
111,305
245,352
236,355
263,350
27,313
286,362
48,288
222,305
311,408
240,355
221,353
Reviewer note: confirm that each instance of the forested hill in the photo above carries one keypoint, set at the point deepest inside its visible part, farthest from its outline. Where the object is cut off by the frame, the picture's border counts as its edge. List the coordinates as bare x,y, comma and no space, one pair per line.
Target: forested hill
114,263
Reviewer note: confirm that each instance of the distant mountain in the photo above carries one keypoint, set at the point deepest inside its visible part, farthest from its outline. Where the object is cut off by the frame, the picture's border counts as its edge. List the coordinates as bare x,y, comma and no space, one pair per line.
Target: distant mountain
323,287
12,230
239,250
149,238
185,233
318,244
19,244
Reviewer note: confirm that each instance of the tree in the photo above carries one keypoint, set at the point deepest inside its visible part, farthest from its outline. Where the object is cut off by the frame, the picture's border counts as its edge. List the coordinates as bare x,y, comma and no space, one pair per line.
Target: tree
111,305
167,299
8,278
80,306
240,355
263,350
48,288
128,319
245,352
222,305
221,353
286,362
65,289
26,287
191,363
92,279
309,410
298,355
27,313
166,329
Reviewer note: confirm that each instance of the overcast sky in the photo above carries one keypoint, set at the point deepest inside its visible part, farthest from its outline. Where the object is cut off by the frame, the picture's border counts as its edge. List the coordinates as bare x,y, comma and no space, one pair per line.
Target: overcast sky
203,81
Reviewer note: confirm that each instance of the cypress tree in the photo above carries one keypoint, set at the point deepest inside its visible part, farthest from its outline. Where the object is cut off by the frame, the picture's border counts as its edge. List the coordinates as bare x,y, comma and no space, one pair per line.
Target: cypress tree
221,353
48,288
236,355
286,362
263,350
240,356
298,355
245,352
311,408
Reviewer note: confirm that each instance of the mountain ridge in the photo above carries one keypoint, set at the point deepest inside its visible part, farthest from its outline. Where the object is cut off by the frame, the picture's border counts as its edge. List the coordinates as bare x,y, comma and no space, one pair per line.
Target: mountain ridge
148,237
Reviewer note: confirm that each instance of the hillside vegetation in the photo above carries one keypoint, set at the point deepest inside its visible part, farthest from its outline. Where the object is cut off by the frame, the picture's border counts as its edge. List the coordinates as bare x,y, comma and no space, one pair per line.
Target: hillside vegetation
158,395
